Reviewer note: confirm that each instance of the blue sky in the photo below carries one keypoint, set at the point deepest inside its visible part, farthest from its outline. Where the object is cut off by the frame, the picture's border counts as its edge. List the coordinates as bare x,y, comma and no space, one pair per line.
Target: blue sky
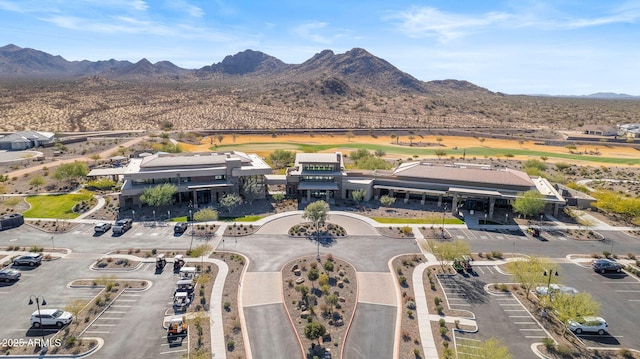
563,47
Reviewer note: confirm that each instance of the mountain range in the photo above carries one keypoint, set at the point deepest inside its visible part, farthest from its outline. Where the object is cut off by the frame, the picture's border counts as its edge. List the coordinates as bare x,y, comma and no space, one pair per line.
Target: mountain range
337,74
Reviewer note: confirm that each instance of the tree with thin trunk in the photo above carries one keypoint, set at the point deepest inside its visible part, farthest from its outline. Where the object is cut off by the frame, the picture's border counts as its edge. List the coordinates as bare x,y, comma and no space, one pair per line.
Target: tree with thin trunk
71,171
220,137
532,272
317,212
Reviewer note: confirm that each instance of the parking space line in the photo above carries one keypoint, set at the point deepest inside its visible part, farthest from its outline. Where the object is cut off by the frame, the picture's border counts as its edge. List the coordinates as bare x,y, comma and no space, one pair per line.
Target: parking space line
634,300
103,325
96,332
130,295
519,316
120,306
126,300
617,282
525,323
174,351
535,336
530,330
514,310
103,318
626,291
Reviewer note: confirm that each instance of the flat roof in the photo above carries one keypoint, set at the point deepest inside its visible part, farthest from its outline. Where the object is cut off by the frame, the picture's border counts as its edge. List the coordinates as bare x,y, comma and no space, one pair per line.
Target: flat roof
192,160
107,172
498,177
318,158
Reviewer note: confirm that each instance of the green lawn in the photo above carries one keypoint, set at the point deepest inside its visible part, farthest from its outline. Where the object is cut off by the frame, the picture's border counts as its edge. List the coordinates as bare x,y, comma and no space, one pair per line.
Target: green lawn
56,206
395,220
480,152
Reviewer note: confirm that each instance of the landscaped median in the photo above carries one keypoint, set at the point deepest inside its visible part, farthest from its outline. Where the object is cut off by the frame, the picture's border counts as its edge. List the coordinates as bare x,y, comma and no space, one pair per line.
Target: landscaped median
320,298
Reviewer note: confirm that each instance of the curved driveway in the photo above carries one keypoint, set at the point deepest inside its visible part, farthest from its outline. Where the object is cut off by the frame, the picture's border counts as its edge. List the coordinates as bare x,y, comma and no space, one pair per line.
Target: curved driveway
372,332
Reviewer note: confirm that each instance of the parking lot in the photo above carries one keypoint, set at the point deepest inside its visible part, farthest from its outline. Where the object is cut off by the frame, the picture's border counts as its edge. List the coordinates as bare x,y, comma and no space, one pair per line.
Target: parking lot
618,294
498,315
132,324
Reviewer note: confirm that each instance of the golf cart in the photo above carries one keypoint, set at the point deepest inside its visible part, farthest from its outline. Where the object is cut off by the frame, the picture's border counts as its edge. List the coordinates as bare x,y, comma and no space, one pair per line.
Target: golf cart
181,300
161,262
184,285
176,326
462,264
188,272
178,263
534,231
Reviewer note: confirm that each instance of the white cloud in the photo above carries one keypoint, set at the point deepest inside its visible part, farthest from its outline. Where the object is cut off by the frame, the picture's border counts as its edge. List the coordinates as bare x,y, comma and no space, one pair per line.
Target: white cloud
420,22
310,31
186,7
431,22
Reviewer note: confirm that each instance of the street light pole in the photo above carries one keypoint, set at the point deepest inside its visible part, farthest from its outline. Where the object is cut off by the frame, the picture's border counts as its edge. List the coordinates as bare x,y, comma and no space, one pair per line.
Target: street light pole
44,302
551,272
444,212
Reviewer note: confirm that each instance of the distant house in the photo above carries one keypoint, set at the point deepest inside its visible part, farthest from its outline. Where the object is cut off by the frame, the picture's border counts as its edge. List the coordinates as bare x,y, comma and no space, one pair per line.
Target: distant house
26,140
631,130
599,130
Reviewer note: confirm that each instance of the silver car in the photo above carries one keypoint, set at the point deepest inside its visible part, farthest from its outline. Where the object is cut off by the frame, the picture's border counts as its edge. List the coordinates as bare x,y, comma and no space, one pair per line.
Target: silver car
31,260
9,275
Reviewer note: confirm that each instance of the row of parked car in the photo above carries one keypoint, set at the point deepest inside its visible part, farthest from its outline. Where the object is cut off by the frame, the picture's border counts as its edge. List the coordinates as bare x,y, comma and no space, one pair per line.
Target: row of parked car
8,274
119,228
125,224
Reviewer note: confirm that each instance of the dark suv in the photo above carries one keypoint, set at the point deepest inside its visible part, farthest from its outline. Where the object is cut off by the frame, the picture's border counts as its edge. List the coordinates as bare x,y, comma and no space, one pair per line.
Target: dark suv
122,226
180,227
606,265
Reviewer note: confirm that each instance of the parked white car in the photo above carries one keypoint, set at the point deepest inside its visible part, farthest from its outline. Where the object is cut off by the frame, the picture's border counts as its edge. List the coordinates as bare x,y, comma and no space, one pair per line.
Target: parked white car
102,227
588,324
556,288
51,317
